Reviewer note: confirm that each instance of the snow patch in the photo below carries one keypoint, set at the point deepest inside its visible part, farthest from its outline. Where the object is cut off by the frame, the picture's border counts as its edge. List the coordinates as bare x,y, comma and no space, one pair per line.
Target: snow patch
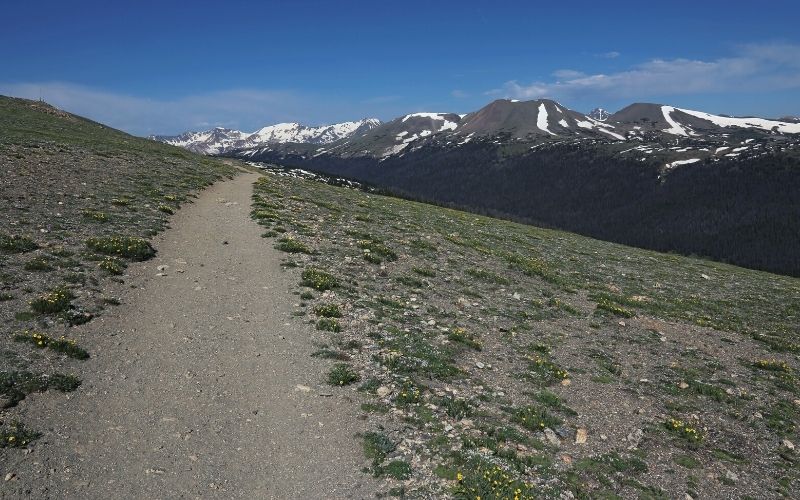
541,119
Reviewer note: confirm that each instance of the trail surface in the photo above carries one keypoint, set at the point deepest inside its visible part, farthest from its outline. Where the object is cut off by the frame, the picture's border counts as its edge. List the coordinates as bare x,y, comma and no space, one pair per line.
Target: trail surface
200,385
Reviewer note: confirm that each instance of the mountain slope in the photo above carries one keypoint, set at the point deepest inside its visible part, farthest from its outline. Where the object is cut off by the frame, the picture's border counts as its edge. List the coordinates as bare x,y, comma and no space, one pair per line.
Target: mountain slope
561,365
221,140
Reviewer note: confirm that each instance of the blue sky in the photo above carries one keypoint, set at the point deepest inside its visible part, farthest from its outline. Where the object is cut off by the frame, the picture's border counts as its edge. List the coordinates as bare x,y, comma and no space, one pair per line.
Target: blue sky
165,67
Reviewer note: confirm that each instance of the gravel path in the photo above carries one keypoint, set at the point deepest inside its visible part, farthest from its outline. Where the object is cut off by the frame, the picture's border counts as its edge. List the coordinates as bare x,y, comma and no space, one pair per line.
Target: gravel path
199,384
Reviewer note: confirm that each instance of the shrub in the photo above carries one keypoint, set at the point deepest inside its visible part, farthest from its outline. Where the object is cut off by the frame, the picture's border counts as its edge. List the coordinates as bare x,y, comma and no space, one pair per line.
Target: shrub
291,245
341,374
329,325
137,249
16,435
52,302
319,280
605,305
16,244
534,418
94,215
166,209
62,345
112,265
38,264
328,311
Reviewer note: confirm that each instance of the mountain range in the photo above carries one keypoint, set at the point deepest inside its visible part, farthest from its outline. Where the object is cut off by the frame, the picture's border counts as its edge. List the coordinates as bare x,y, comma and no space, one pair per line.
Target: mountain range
649,175
507,121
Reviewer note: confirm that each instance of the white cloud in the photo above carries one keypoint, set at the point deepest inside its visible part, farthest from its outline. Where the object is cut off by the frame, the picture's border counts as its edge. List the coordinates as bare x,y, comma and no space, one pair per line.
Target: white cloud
610,55
762,67
241,108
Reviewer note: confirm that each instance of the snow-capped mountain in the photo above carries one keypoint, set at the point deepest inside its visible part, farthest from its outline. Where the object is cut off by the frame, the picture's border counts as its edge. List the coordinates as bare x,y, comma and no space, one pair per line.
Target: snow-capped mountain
221,140
599,114
671,135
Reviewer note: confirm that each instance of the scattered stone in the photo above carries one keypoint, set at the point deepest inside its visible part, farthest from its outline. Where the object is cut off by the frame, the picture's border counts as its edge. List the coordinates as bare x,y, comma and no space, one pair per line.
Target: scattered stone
10,476
326,394
603,437
479,365
551,436
162,267
731,476
302,388
517,296
581,435
634,438
224,242
383,391
566,382
787,444
621,323
566,459
683,385
705,276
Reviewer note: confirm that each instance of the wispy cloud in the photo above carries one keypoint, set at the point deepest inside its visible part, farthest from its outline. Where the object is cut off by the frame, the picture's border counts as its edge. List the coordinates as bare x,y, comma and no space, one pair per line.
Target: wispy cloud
762,67
459,94
609,55
241,108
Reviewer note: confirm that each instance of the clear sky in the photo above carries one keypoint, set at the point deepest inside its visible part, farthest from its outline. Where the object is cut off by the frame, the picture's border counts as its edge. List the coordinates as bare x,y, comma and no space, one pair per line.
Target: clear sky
165,67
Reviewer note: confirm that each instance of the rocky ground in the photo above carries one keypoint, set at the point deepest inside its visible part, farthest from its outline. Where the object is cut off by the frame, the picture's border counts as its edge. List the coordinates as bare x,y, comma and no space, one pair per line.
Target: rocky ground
508,361
443,353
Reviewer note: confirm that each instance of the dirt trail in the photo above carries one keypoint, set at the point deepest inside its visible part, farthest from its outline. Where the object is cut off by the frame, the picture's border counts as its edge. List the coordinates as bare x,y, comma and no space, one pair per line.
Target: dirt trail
192,390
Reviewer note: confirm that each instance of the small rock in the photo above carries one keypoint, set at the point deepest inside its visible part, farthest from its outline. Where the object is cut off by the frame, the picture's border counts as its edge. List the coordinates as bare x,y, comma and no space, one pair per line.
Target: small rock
705,276
10,476
731,476
302,388
566,382
224,242
644,380
383,391
479,365
603,437
788,444
621,323
517,296
580,435
683,385
758,415
551,436
634,438
163,267
326,394
467,423
566,459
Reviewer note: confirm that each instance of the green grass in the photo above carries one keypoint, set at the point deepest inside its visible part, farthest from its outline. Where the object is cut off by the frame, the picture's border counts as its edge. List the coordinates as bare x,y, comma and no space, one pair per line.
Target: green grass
342,374
61,345
133,248
55,301
318,279
328,311
16,435
291,245
12,243
16,385
329,325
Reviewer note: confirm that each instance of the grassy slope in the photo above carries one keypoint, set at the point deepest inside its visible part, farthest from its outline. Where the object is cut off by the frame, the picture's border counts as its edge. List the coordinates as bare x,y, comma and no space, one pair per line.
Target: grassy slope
65,180
475,335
